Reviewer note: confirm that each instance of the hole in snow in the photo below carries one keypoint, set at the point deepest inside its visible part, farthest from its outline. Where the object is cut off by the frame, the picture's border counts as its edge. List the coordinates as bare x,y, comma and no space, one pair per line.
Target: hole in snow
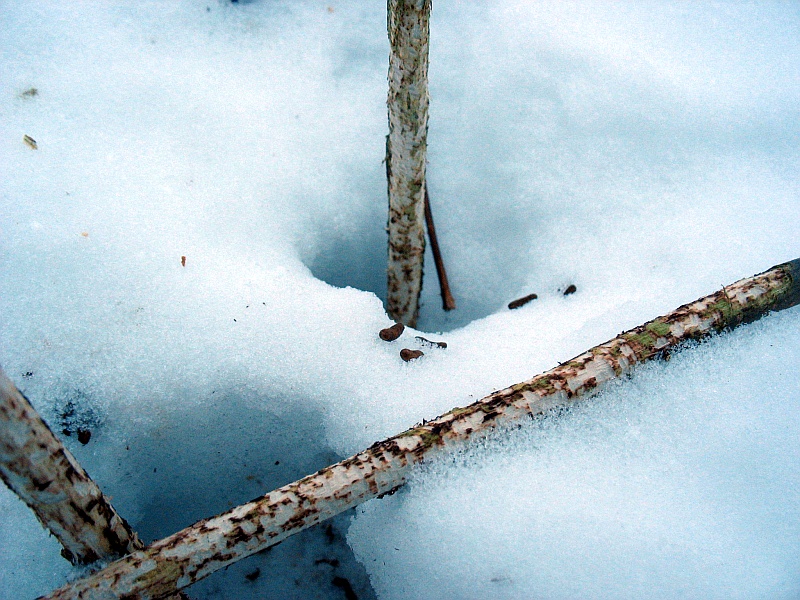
486,250
350,251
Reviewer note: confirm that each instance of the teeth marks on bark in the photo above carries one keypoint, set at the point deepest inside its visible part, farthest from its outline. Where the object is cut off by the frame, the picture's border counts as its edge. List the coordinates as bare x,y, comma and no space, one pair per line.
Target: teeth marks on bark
406,150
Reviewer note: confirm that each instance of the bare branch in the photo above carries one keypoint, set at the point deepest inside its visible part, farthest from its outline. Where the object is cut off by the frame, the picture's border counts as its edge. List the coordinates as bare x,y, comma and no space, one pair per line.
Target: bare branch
197,551
45,475
406,151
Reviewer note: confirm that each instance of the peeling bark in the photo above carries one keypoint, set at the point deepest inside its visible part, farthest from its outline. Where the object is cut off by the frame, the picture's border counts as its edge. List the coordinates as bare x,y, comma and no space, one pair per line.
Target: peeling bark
36,466
207,546
406,150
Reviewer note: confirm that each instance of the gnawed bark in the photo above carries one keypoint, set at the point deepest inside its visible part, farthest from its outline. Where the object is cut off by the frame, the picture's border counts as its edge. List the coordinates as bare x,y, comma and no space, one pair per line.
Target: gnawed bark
197,551
36,466
406,150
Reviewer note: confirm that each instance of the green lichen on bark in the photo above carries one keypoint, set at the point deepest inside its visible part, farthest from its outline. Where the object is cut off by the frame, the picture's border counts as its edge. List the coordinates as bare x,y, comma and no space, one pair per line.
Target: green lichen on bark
641,339
727,309
429,438
659,328
543,383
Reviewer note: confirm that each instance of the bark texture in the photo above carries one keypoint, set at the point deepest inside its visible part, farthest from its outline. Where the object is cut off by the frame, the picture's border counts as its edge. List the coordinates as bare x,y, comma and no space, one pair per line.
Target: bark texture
406,151
45,475
191,554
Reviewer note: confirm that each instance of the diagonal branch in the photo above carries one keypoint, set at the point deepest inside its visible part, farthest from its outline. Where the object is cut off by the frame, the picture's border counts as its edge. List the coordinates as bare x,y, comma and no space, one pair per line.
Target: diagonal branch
207,546
43,473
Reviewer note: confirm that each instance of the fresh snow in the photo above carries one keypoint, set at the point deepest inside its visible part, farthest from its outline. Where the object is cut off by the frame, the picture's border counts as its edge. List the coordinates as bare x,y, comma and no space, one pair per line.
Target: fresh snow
646,152
682,482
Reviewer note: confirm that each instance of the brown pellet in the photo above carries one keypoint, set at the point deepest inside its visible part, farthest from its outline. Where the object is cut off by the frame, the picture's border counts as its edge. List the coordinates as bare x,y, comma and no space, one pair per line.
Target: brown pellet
390,334
407,354
522,301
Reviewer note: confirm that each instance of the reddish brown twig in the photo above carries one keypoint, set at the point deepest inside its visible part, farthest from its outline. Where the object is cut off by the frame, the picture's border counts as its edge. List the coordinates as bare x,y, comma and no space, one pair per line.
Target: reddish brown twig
448,302
521,301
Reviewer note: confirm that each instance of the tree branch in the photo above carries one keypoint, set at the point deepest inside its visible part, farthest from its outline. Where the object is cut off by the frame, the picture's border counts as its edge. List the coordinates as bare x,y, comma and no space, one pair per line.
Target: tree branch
408,25
36,466
207,546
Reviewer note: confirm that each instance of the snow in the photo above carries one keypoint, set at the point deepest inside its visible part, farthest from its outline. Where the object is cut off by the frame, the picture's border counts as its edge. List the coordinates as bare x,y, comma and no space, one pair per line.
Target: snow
645,152
682,482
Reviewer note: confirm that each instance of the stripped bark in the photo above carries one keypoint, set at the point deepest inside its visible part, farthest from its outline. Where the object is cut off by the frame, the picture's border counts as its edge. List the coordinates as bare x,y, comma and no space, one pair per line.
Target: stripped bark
43,473
406,150
207,546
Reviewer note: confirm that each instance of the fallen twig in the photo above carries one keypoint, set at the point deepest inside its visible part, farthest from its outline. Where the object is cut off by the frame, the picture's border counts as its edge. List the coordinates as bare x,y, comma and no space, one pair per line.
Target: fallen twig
429,343
207,546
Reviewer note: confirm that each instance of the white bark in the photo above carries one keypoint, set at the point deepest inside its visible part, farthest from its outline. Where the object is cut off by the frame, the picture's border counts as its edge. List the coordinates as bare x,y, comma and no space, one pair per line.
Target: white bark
406,150
45,475
197,551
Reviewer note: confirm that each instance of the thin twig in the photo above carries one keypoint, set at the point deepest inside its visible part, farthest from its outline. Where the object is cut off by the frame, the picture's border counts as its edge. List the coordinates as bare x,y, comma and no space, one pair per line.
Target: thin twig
448,302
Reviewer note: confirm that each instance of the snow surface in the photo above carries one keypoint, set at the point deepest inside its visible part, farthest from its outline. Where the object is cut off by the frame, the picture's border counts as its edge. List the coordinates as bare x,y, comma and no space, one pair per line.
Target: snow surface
682,482
646,152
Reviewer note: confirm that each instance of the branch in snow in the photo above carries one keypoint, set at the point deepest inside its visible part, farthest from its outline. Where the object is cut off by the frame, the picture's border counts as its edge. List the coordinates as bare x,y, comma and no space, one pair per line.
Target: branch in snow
36,466
406,150
207,546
